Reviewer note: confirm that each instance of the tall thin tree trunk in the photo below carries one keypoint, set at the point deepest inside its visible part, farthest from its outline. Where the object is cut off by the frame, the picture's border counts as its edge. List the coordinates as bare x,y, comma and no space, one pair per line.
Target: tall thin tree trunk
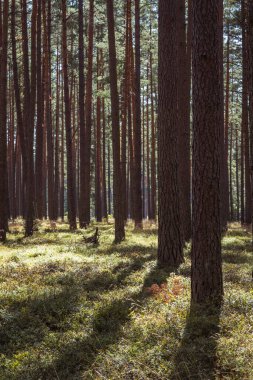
47,110
153,145
137,129
70,170
29,108
81,114
3,123
227,112
85,215
98,192
56,152
250,41
117,193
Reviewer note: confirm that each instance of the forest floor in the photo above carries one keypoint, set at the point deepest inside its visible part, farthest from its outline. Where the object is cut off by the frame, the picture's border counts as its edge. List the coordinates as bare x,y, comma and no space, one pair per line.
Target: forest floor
72,311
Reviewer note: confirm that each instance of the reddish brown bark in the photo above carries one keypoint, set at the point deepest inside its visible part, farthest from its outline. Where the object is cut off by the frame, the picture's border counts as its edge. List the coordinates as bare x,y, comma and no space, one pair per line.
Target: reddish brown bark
81,112
207,127
117,193
169,237
70,170
3,123
85,215
137,126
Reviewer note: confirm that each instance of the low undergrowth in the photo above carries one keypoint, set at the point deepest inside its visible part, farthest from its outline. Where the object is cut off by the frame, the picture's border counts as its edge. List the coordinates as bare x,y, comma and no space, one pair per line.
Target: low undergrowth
71,311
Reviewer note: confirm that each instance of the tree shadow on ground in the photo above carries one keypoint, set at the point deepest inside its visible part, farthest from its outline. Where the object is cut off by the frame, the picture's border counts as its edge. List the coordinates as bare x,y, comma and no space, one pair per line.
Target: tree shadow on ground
127,250
26,322
237,257
76,358
196,357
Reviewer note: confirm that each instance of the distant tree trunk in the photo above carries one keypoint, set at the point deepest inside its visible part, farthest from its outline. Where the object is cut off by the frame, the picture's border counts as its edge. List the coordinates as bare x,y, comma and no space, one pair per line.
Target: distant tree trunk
148,152
105,211
250,41
47,110
98,192
153,145
3,123
11,155
117,191
29,108
227,114
207,120
144,195
39,129
169,236
70,170
124,111
85,215
231,174
224,186
237,175
21,142
62,187
18,177
131,119
109,179
137,129
245,111
56,159
81,114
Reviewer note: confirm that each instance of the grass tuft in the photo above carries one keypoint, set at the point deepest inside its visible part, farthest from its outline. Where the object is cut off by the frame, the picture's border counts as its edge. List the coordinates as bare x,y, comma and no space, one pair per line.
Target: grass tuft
69,311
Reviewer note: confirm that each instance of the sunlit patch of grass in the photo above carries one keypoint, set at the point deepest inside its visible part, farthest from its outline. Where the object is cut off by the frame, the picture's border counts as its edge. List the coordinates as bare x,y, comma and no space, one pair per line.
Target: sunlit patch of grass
72,311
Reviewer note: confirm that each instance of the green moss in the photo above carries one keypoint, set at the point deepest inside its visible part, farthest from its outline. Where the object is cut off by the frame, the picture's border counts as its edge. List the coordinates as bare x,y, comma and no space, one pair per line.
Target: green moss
69,311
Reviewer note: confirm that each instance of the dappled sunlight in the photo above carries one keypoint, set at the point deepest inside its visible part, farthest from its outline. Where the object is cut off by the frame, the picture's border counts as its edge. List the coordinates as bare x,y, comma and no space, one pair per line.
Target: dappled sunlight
77,311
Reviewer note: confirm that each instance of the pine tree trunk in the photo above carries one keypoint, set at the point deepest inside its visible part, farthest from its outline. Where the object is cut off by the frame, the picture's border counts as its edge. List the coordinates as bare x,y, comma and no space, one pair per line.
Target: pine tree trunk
98,192
227,116
137,129
153,145
56,152
207,126
184,67
47,110
117,192
39,129
250,41
81,113
3,123
28,109
105,211
85,215
169,236
70,170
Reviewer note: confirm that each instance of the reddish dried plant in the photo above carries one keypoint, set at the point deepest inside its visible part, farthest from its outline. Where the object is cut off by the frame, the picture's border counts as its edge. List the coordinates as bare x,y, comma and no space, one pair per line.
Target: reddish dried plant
164,293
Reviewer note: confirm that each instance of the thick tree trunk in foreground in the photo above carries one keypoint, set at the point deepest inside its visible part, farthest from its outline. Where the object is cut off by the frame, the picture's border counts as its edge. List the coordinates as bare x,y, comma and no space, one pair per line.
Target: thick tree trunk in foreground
169,236
117,193
207,119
